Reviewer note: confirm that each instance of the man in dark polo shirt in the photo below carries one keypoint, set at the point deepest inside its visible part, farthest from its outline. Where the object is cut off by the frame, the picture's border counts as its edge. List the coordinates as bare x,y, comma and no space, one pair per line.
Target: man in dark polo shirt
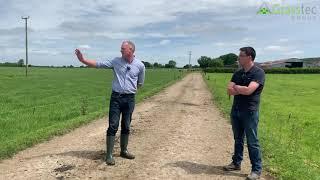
246,86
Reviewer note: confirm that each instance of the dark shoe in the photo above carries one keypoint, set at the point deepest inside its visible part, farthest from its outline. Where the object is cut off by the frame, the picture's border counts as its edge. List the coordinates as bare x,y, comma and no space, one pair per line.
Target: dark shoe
124,139
109,158
253,176
231,167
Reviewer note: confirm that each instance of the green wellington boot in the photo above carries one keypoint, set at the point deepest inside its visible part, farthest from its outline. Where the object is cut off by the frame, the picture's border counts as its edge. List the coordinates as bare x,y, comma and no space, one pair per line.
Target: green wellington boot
124,138
109,158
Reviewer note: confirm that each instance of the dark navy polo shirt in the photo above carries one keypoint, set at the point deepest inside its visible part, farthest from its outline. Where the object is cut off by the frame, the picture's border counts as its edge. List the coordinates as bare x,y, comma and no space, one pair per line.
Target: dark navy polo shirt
242,78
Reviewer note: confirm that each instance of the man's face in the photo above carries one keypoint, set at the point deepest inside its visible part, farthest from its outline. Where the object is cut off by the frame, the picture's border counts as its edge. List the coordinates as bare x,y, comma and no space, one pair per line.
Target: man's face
126,51
243,58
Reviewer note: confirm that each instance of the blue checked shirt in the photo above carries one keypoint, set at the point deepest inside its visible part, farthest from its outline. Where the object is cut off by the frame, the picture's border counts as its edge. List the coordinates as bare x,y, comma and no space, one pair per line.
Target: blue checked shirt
126,77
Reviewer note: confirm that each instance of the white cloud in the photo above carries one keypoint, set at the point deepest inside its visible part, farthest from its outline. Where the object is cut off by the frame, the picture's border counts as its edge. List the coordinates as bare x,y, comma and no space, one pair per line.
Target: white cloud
163,35
158,44
44,52
84,46
294,53
13,51
226,24
276,48
247,41
119,35
115,15
283,40
164,42
220,44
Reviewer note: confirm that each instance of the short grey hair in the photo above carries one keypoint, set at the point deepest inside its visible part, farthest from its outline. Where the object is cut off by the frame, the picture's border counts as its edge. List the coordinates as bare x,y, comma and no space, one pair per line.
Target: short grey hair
131,44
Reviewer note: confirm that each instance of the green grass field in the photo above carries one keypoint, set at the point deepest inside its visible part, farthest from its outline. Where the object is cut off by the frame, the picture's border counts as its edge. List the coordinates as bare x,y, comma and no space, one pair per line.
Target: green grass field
52,101
289,126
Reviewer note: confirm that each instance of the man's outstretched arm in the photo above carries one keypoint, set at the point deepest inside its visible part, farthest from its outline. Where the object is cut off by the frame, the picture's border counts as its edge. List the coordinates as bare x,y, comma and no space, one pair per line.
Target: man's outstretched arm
90,63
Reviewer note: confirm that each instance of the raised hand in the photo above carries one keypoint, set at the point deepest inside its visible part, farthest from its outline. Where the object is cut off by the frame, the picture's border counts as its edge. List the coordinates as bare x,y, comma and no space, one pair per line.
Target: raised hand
79,55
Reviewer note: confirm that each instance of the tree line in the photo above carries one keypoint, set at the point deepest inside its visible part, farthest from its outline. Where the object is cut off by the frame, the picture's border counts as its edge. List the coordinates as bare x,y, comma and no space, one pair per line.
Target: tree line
19,63
227,60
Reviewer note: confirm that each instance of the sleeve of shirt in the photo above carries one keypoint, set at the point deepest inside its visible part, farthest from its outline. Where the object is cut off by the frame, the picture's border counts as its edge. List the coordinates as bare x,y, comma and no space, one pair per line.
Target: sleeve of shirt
105,64
234,77
141,75
259,77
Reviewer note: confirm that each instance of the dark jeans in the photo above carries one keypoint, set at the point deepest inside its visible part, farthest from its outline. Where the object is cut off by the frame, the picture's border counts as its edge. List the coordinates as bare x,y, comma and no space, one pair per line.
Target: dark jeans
245,123
124,105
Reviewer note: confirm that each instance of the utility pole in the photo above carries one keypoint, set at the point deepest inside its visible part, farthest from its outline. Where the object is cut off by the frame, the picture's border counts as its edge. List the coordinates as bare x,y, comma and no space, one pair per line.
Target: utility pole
189,60
26,26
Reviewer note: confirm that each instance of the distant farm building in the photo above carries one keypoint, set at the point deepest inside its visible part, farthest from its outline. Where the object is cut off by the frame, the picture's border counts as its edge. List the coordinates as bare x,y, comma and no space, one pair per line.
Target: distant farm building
292,63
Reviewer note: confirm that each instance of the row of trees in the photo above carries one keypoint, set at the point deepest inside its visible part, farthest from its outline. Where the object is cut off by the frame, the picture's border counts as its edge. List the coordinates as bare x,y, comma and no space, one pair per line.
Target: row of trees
19,63
170,64
228,60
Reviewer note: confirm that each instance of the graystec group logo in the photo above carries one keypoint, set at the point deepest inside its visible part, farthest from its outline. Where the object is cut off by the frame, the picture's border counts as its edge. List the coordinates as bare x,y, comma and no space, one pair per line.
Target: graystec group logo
299,11
264,9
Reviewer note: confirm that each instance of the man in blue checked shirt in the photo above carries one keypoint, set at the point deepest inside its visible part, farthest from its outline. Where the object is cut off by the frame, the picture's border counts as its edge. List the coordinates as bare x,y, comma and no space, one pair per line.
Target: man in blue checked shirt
129,75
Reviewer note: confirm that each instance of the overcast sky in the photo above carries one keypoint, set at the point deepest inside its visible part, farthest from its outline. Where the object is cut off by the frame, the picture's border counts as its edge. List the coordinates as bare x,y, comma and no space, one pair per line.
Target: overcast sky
161,29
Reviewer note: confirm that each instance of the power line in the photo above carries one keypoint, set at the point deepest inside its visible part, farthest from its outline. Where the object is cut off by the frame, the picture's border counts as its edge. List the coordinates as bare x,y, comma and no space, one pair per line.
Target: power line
190,59
26,26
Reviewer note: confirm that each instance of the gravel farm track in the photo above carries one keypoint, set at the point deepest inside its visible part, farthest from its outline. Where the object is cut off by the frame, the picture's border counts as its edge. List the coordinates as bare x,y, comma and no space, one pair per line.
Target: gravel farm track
176,134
